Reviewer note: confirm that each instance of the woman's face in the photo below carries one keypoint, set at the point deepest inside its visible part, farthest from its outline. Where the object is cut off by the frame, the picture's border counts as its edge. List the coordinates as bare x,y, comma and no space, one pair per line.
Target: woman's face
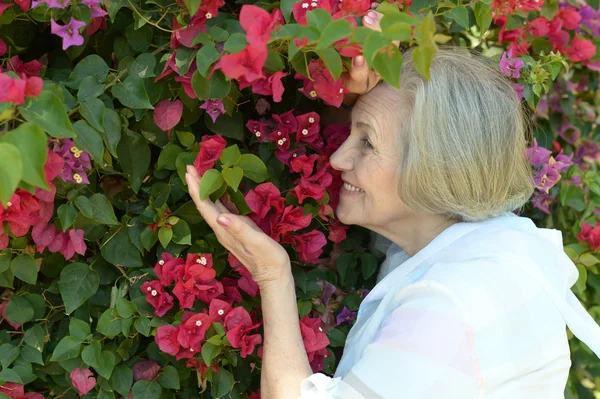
368,159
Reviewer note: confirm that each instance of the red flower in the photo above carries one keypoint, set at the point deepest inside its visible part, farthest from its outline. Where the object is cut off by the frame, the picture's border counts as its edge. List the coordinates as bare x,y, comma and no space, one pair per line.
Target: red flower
337,231
167,114
590,235
218,309
210,150
146,370
580,50
569,17
258,129
21,212
238,323
245,282
3,47
206,292
185,292
192,332
83,380
315,341
169,269
292,219
264,198
12,90
306,189
270,86
157,297
322,85
258,24
230,294
166,339
187,35
309,245
247,64
358,7
308,130
304,164
31,68
198,267
302,7
539,27
286,121
13,390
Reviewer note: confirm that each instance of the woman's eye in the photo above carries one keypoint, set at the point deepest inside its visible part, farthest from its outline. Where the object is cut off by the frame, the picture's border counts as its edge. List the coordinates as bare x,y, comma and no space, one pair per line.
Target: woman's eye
367,143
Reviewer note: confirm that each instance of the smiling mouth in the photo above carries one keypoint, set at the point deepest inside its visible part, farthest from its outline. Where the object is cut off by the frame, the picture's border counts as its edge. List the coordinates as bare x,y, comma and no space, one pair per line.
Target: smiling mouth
350,187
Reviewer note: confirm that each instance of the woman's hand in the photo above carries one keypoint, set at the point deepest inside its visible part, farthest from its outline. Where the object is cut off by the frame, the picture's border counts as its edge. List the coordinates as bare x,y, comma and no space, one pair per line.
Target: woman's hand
264,258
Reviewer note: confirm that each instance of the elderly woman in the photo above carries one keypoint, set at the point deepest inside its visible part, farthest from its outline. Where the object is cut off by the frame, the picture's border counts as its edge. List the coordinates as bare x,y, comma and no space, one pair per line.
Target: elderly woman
472,301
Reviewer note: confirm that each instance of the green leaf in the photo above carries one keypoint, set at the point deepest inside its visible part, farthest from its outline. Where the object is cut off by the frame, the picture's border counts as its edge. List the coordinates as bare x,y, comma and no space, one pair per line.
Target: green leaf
169,378
106,364
92,65
48,111
304,307
34,337
11,376
91,354
254,168
139,39
165,235
209,352
216,87
227,126
93,111
233,176
192,6
318,18
67,215
210,182
167,157
422,57
234,44
119,250
184,58
32,143
8,354
67,348
98,208
5,260
89,139
373,43
89,88
460,15
335,30
286,10
134,156
483,16
112,131
230,155
185,138
368,265
146,390
181,233
125,308
332,61
143,66
122,379
25,268
389,67
32,355
11,171
78,282
222,383
79,329
132,93
109,323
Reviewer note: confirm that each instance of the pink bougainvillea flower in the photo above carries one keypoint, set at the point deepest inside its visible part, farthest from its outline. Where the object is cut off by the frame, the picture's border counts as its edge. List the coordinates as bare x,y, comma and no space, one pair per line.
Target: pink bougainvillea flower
146,370
214,108
315,341
13,390
166,339
308,130
21,212
538,155
218,309
52,3
156,296
539,27
591,19
323,85
258,24
24,5
12,90
83,380
591,235
271,86
246,283
286,121
192,332
569,17
238,324
31,68
3,48
263,198
206,292
546,178
3,7
302,7
247,64
169,269
231,294
210,150
75,161
185,292
581,49
69,32
167,114
510,67
529,5
258,128
306,189
304,164
292,219
185,36
96,23
309,245
33,86
541,201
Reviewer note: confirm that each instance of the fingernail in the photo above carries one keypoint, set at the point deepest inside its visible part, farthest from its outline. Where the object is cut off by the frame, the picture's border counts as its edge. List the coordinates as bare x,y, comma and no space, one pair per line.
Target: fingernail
373,14
224,221
368,19
374,5
359,61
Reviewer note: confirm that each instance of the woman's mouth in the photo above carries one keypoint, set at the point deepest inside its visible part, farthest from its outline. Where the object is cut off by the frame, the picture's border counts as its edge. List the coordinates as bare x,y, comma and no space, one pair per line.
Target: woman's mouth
350,187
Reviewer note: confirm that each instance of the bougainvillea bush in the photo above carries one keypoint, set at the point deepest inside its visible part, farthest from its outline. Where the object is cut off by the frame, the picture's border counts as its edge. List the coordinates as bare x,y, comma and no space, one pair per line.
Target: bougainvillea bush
113,285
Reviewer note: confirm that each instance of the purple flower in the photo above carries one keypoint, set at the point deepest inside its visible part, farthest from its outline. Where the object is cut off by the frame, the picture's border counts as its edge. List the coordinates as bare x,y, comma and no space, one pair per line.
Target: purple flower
345,316
587,152
538,155
591,19
542,201
94,6
561,162
69,33
547,177
569,132
511,68
328,290
214,108
51,3
75,161
519,90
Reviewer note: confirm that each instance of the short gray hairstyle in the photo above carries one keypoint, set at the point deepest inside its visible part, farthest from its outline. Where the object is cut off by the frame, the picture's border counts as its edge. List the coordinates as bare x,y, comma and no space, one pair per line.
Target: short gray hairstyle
464,137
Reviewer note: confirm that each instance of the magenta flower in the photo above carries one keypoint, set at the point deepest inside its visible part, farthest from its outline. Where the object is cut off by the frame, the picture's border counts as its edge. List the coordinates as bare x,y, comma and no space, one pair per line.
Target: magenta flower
519,90
51,3
94,6
511,67
591,19
75,161
328,291
538,155
214,108
69,33
345,316
542,201
547,177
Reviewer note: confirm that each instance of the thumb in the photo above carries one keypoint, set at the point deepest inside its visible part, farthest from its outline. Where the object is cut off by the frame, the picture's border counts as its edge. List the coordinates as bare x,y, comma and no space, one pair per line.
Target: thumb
360,71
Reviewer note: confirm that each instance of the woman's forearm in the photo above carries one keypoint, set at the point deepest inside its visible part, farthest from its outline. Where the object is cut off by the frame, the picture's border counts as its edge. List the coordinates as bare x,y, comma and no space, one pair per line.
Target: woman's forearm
284,363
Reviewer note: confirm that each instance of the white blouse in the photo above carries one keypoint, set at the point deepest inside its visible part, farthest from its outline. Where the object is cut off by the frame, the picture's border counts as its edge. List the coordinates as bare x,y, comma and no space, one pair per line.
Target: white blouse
480,312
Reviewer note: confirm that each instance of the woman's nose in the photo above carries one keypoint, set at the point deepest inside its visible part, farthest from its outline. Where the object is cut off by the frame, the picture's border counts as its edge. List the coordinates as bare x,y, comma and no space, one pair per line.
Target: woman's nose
341,159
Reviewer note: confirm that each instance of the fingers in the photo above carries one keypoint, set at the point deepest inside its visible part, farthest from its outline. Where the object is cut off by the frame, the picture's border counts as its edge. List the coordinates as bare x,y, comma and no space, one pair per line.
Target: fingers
371,20
207,208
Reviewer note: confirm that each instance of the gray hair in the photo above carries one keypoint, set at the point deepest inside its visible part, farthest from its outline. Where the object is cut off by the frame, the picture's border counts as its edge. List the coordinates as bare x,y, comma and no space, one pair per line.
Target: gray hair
464,137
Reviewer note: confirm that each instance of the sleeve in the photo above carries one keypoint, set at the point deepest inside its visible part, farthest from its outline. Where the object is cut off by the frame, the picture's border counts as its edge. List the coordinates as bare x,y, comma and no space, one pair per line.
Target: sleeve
424,349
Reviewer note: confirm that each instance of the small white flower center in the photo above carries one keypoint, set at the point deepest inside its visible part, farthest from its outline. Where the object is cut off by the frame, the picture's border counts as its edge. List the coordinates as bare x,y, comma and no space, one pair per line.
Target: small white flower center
313,4
208,15
305,131
320,329
8,204
280,142
279,133
154,293
304,5
257,134
198,323
220,312
311,119
313,93
161,262
191,349
149,289
341,91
